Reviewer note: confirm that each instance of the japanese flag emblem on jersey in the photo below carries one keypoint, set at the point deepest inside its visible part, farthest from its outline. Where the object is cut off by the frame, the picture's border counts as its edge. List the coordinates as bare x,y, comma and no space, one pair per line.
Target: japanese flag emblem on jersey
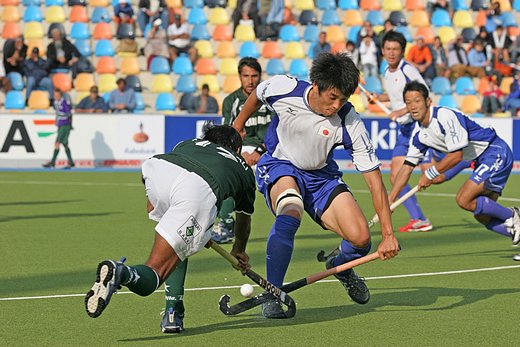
325,131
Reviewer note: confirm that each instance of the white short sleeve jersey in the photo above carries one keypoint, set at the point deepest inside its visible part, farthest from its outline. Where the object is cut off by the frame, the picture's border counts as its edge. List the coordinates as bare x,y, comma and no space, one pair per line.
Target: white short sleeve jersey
307,139
449,131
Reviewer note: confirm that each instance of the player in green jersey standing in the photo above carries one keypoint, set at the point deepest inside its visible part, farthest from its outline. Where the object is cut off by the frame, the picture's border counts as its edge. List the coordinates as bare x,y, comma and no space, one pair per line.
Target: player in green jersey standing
185,190
250,73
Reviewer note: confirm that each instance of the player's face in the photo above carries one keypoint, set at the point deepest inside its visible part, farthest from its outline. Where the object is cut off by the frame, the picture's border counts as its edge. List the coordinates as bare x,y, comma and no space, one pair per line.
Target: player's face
249,78
417,105
393,53
330,101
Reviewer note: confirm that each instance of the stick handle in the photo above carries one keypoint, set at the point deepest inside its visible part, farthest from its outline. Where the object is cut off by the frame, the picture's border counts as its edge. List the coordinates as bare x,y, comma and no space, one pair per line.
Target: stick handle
225,254
372,98
395,204
342,267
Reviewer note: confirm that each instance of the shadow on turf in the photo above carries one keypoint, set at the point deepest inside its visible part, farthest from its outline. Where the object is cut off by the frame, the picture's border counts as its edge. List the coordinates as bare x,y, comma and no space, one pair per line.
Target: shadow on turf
57,215
37,202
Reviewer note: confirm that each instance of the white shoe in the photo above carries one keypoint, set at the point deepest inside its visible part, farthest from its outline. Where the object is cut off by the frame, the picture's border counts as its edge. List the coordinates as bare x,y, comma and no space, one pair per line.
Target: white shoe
516,257
516,226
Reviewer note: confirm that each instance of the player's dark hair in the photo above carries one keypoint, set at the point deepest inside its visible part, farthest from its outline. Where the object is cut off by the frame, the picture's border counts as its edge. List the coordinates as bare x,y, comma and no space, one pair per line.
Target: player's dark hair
249,62
416,86
335,71
395,36
223,135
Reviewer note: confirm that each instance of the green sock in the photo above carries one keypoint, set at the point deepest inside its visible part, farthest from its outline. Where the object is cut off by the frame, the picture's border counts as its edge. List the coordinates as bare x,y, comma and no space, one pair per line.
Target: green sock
69,156
174,288
226,212
55,155
140,279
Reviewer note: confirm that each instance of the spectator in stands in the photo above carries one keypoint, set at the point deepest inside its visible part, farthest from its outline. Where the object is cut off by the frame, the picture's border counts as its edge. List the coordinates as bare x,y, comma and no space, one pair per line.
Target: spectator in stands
246,12
322,45
433,5
513,99
500,44
149,10
93,103
179,40
514,50
366,30
493,17
61,53
122,99
5,84
123,12
477,55
421,57
368,56
204,103
458,61
37,73
492,101
387,26
156,43
439,58
353,52
15,52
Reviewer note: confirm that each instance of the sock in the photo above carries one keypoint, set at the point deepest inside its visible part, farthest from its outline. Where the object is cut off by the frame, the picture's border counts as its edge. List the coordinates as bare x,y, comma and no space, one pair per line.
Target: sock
489,207
412,205
69,156
498,226
140,279
226,212
174,288
55,155
349,252
280,244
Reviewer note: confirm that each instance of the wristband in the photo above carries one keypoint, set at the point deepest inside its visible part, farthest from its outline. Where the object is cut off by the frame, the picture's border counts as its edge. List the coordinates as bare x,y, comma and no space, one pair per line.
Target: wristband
432,173
260,150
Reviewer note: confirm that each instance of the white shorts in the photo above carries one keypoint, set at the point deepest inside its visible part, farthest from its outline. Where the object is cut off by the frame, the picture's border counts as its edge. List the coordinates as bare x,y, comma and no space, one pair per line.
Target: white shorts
184,205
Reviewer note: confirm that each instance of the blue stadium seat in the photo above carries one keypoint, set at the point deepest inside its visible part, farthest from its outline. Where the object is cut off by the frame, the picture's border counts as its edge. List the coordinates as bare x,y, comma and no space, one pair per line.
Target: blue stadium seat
14,100
330,17
310,51
275,67
194,3
509,19
32,14
185,84
299,69
464,86
160,65
383,66
311,33
373,85
185,101
54,3
101,14
164,102
441,85
83,47
516,5
326,4
460,5
441,18
405,32
249,49
348,4
200,32
308,17
197,16
139,102
79,31
104,48
133,82
353,33
448,101
182,65
398,18
125,31
375,18
16,80
28,3
289,33
478,115
469,34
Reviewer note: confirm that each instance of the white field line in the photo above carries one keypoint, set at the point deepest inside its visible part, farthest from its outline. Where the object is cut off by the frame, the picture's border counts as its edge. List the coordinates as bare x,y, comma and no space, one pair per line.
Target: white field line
425,274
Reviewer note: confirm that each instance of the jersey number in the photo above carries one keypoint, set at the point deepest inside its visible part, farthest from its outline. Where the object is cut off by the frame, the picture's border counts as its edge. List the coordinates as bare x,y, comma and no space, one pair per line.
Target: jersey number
481,169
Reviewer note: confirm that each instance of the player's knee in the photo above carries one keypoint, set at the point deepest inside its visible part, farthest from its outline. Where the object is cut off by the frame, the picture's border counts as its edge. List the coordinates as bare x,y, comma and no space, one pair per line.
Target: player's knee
290,202
463,201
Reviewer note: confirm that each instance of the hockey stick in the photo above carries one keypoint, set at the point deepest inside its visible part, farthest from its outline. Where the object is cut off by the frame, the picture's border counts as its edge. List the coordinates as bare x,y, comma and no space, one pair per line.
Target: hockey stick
290,287
372,98
270,288
321,254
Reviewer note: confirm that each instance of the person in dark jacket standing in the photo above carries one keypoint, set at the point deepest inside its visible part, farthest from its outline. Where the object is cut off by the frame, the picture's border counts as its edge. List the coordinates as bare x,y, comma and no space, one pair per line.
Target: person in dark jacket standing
37,72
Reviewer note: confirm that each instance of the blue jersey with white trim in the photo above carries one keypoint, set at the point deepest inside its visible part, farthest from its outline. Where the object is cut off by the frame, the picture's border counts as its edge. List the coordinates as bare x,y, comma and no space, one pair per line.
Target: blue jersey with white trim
449,130
307,139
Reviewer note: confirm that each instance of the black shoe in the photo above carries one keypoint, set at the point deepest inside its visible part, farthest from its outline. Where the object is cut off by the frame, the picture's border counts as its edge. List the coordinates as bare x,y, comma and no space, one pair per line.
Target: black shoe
48,165
354,285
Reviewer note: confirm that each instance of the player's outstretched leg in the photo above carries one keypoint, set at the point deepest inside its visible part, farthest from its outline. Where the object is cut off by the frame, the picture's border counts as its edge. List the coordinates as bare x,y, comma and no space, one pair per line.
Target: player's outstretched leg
108,281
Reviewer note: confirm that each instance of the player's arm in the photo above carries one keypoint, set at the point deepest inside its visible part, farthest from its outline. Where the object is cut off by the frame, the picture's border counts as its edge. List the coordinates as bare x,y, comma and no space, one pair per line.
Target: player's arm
448,162
450,173
401,180
242,231
251,105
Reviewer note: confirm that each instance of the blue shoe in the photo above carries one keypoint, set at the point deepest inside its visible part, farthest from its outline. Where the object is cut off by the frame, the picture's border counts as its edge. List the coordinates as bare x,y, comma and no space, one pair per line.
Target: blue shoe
222,233
108,281
172,322
354,285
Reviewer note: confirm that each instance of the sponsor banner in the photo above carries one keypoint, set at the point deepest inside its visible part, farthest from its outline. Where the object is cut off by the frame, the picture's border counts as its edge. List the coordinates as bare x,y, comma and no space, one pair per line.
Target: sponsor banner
95,141
185,127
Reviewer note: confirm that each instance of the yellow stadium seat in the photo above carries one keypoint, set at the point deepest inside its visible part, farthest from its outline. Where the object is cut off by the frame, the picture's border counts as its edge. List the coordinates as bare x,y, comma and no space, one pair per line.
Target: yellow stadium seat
206,66
174,3
231,83
335,34
218,15
505,85
245,33
107,82
55,14
39,100
446,34
80,96
98,3
130,66
419,18
226,49
470,104
392,5
501,115
32,43
162,84
357,102
232,4
304,5
352,18
10,14
463,19
84,81
271,50
204,49
294,50
505,5
378,28
414,5
33,30
228,66
210,80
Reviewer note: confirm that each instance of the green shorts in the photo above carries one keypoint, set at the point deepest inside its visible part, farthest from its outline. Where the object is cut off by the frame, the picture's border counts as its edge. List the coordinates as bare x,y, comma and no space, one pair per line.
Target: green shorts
63,134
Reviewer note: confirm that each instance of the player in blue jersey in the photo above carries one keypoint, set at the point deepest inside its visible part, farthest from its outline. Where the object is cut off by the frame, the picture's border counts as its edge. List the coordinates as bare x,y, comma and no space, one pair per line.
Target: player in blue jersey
451,131
298,173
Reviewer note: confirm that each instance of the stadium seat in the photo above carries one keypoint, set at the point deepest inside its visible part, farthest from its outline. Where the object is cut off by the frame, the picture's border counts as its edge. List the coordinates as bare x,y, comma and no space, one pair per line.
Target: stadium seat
406,33
226,49
470,104
505,5
299,69
383,66
330,17
441,18
164,102
161,83
107,82
222,32
448,101
194,3
83,3
294,50
304,5
11,30
9,2
271,50
516,5
32,14
419,18
460,5
513,31
133,82
353,33
505,85
427,33
469,35
14,100
83,82
370,5
100,14
397,18
244,33
478,115
392,5
348,4
249,49
509,19
477,5
210,80
139,102
106,65
228,66
211,3
104,48
310,51
185,101
326,4
357,101
218,15
10,14
62,81
58,26
200,32
197,16
483,86
33,30
39,100
55,14
49,3
130,66
33,43
16,80
289,33
83,47
308,17
414,5
204,48
375,18
463,19
102,31
78,14
231,83
98,3
28,3
311,33
373,85
182,65
125,31
159,65
335,34
206,66
441,85
275,67
446,34
80,31
352,18
185,84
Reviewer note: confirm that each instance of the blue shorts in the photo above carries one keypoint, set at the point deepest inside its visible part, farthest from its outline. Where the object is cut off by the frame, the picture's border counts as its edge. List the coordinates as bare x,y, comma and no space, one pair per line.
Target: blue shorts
403,140
317,187
493,166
